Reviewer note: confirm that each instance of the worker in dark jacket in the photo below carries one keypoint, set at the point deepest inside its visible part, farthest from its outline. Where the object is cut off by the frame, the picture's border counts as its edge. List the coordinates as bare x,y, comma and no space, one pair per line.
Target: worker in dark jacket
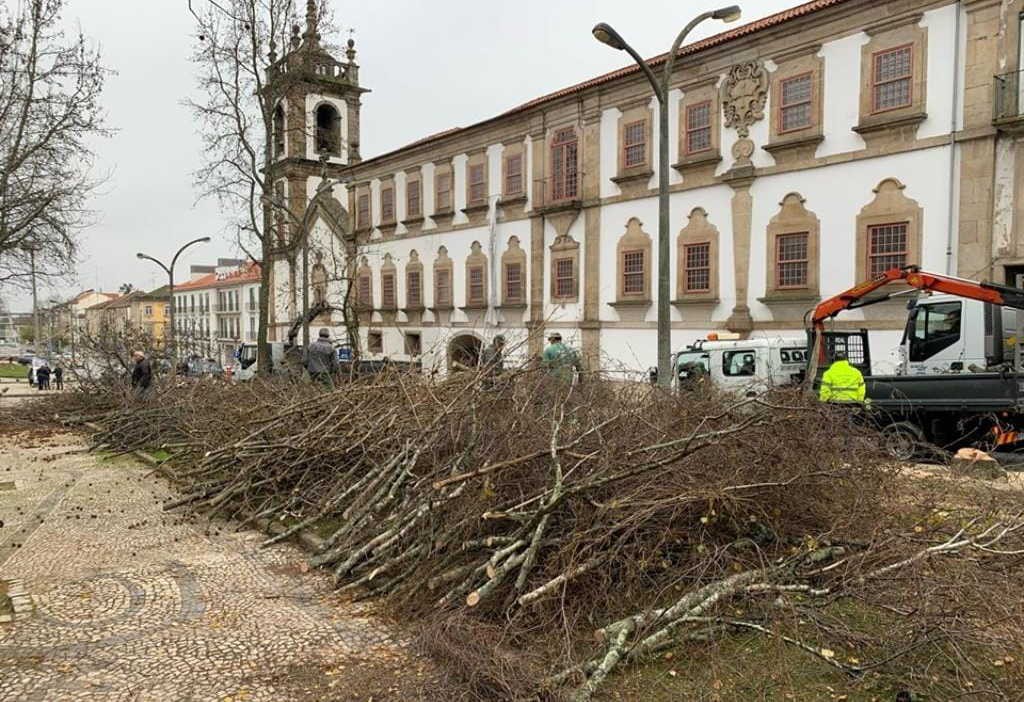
142,374
58,377
321,361
43,377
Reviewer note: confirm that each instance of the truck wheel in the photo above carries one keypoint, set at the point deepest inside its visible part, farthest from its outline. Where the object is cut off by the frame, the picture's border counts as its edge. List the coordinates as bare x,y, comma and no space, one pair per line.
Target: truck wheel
902,440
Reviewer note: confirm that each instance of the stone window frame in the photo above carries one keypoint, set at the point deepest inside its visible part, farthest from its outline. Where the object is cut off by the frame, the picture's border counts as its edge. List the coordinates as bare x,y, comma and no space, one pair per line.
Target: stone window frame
476,262
444,173
413,184
388,185
566,189
888,36
635,180
414,266
388,271
513,256
443,264
890,205
375,341
698,230
510,152
704,90
793,217
364,285
633,240
797,144
565,248
364,222
876,83
476,166
810,102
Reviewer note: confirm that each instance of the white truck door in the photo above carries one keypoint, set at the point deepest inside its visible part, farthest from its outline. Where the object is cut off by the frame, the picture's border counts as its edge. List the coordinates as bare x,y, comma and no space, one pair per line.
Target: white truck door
938,335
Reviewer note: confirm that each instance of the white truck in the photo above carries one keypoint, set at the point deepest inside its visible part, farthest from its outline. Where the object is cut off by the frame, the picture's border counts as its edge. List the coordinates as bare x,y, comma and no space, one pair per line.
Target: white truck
747,366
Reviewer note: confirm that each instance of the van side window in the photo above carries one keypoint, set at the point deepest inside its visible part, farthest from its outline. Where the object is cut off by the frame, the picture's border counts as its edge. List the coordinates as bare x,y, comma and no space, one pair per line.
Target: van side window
739,363
793,355
935,327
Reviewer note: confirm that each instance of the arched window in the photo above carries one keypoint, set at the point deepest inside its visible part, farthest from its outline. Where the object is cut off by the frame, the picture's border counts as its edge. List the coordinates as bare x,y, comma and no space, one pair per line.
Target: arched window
328,130
279,127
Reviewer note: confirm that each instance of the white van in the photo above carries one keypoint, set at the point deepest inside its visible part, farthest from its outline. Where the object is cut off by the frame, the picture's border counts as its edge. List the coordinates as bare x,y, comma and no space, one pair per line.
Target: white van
747,366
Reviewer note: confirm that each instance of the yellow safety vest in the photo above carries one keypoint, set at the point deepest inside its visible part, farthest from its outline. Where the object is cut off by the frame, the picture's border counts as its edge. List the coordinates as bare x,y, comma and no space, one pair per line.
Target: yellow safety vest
842,383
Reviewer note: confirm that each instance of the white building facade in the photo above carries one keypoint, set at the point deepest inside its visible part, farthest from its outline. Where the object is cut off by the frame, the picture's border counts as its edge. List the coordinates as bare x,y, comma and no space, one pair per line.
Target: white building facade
217,310
810,150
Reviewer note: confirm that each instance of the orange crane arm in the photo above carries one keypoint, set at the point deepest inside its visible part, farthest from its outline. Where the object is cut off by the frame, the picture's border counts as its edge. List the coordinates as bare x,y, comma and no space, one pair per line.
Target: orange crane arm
922,280
916,278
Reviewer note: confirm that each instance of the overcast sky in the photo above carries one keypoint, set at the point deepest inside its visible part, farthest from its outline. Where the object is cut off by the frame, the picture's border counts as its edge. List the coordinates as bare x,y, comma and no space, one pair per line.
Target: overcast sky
430,64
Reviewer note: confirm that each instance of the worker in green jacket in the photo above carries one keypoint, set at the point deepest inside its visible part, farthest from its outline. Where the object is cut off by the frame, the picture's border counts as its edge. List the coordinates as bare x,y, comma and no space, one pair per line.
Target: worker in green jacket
559,360
842,382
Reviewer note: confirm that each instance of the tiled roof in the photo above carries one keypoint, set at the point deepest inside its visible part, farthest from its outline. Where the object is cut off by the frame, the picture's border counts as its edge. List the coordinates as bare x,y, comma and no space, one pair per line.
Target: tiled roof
710,42
247,274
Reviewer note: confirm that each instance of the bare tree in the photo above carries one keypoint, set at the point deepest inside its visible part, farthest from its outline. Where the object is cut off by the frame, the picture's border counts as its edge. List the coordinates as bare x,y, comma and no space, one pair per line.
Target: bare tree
50,110
237,51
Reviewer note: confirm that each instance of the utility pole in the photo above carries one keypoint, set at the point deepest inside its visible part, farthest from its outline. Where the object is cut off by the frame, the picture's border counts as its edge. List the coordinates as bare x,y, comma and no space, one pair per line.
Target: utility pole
36,335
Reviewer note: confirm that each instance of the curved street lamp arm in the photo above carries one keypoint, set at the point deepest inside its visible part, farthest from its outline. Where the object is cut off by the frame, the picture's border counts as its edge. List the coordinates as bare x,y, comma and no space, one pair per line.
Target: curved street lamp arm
157,262
200,240
659,90
671,59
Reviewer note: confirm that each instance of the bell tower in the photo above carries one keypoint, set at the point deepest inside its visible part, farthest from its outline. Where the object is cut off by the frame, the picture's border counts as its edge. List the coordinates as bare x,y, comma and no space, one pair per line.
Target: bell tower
315,99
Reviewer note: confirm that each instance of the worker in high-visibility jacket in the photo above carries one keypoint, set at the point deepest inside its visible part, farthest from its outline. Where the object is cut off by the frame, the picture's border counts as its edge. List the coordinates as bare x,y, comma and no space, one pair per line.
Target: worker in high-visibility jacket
842,382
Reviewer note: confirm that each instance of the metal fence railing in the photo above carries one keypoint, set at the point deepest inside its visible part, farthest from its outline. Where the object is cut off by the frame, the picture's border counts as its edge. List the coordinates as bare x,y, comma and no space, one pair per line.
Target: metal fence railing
1008,103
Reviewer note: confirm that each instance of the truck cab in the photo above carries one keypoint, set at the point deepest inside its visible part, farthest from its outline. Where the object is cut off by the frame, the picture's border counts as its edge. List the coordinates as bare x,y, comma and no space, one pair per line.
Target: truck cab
745,366
949,334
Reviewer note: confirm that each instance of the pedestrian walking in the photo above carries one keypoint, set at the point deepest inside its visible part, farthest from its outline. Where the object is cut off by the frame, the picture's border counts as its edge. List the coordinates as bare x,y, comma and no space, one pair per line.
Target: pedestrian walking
142,374
321,361
43,377
31,375
58,377
559,360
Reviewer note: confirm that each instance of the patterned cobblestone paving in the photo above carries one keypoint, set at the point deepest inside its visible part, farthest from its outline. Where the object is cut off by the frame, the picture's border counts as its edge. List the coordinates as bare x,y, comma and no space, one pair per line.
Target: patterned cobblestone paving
136,604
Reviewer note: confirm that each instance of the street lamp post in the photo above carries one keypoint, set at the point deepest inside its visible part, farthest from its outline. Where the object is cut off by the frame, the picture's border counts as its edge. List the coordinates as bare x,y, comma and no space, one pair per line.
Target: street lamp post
169,270
605,34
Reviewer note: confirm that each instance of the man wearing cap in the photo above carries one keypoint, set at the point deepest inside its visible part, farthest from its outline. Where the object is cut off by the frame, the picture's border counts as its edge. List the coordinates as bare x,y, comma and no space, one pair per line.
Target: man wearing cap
559,360
321,361
492,360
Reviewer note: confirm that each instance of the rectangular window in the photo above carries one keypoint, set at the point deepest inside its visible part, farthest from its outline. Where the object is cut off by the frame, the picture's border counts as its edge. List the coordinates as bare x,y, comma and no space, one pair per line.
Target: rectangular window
412,199
477,184
513,282
698,127
739,363
795,103
475,293
387,205
634,144
514,175
413,345
791,261
565,277
149,311
444,192
697,258
387,291
442,288
632,272
887,248
892,78
375,342
363,211
364,291
413,289
564,167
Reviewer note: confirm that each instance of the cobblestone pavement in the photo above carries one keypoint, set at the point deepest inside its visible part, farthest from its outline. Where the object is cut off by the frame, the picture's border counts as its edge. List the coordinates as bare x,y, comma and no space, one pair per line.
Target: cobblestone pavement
136,604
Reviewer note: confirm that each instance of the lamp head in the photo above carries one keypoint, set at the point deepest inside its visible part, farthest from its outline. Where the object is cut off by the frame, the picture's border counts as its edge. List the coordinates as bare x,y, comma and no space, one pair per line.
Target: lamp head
728,14
140,255
604,33
206,240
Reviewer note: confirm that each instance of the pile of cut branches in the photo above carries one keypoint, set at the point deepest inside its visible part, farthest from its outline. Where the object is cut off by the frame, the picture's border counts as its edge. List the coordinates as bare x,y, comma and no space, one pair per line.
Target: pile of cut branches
551,533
